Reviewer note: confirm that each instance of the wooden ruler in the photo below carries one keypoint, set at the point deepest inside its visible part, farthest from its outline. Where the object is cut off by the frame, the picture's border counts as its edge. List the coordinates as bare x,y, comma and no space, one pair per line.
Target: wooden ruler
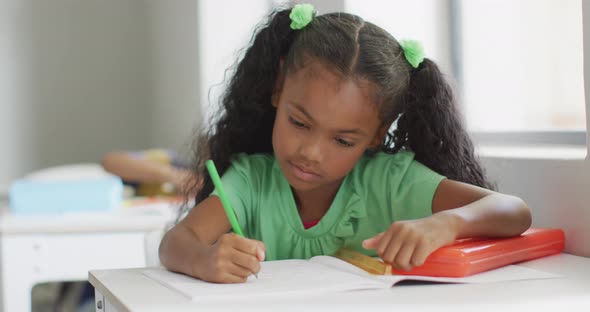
369,264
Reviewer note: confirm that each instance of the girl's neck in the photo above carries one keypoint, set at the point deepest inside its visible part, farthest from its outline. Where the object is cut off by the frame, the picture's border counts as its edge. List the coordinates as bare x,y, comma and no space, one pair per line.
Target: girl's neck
313,204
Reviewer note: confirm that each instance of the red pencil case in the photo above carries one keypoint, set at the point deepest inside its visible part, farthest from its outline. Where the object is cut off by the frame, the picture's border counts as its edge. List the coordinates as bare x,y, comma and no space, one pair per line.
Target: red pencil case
474,255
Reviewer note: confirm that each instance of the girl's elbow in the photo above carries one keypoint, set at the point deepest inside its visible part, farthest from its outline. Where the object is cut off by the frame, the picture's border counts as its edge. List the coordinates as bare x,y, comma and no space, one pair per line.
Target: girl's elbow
524,215
528,218
163,250
109,161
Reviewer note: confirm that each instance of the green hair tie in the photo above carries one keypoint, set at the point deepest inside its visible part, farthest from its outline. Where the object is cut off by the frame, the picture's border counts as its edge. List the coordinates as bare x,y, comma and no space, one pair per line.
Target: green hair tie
413,51
301,15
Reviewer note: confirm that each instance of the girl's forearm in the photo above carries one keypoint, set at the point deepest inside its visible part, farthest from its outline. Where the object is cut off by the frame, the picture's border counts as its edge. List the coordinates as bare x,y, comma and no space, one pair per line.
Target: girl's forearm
181,251
496,215
139,169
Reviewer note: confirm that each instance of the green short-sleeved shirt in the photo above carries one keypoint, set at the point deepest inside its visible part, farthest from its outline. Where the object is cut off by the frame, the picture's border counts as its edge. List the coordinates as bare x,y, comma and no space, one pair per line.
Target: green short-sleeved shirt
379,190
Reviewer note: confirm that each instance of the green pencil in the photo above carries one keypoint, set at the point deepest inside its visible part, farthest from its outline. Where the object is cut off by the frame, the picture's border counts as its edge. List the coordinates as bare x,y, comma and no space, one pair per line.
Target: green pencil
223,196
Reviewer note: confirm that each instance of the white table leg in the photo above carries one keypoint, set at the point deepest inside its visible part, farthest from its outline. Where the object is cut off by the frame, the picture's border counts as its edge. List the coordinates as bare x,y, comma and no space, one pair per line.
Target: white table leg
17,275
98,301
16,295
102,304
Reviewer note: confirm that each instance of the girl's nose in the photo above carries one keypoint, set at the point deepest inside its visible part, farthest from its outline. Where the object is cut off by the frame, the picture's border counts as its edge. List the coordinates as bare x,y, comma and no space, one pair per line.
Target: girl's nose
310,149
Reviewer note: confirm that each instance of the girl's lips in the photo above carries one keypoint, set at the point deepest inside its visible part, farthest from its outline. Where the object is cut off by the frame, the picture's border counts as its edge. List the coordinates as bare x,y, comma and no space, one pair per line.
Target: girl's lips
302,174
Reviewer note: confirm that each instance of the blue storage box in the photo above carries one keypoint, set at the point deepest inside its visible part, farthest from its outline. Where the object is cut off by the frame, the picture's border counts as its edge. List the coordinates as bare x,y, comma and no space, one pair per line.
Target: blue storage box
30,196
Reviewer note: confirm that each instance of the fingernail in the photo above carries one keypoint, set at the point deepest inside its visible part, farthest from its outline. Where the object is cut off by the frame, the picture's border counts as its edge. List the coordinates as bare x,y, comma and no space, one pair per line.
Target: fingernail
261,255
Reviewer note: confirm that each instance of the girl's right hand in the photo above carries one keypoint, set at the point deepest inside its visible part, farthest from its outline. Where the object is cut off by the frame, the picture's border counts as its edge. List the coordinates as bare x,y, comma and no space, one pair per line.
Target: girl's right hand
231,259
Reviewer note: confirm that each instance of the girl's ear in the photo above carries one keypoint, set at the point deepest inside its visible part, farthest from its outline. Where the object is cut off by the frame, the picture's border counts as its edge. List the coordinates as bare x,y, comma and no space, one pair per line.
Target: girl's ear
276,94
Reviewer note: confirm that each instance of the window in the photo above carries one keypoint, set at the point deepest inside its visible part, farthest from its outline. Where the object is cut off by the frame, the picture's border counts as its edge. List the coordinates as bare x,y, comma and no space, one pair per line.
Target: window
521,65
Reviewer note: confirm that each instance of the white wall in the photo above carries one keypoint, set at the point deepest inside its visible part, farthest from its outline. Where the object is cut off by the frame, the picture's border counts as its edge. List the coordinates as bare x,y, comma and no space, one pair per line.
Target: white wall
10,94
80,78
176,86
74,81
225,27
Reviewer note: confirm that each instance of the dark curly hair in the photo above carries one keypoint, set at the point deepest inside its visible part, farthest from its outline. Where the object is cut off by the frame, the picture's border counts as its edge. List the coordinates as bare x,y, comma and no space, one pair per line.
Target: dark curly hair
417,101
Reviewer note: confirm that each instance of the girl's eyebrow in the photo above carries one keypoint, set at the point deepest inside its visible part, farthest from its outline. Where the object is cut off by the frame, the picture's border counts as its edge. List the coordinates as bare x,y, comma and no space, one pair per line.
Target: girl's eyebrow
304,112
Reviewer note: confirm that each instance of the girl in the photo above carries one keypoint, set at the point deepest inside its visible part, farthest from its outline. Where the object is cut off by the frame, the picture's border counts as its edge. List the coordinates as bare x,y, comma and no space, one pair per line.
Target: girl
334,134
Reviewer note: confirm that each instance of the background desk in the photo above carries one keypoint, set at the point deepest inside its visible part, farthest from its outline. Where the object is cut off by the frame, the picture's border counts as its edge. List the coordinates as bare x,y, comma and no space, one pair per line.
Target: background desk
129,290
37,249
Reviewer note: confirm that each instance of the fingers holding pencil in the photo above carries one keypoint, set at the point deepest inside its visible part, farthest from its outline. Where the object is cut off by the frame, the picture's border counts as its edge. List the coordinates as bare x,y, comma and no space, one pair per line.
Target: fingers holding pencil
252,253
232,258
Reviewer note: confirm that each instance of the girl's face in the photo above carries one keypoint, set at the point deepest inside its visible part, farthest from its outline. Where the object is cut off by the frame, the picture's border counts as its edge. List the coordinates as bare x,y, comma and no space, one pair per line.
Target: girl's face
323,125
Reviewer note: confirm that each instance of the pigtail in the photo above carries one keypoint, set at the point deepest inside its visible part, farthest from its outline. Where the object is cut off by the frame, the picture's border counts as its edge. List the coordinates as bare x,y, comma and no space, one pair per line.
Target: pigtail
430,125
245,119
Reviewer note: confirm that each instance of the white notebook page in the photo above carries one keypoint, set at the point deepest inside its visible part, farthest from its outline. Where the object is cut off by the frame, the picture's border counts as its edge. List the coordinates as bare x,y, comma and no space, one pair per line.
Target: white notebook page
285,277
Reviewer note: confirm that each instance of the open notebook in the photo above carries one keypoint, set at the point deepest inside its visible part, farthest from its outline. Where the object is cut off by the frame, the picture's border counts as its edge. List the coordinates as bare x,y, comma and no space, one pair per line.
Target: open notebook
317,275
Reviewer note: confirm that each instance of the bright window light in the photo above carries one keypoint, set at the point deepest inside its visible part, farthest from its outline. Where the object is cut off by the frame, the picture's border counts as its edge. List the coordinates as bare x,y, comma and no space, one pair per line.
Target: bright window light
521,65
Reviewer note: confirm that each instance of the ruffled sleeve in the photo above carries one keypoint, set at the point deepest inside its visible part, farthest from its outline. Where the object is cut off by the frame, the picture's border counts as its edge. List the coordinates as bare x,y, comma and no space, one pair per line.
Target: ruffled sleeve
412,188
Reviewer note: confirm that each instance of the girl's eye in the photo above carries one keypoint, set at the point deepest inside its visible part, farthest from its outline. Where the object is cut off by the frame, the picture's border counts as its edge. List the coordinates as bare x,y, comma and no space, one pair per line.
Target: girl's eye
296,123
344,142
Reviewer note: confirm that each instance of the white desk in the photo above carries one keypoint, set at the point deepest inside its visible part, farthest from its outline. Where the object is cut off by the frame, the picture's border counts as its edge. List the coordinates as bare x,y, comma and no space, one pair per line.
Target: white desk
129,290
37,249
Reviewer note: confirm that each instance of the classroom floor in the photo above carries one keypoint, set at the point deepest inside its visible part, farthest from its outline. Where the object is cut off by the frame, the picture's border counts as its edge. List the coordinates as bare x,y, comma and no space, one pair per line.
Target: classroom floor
60,297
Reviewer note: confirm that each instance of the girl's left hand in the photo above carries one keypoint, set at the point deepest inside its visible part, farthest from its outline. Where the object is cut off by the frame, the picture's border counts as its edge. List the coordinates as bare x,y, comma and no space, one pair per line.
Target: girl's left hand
407,244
